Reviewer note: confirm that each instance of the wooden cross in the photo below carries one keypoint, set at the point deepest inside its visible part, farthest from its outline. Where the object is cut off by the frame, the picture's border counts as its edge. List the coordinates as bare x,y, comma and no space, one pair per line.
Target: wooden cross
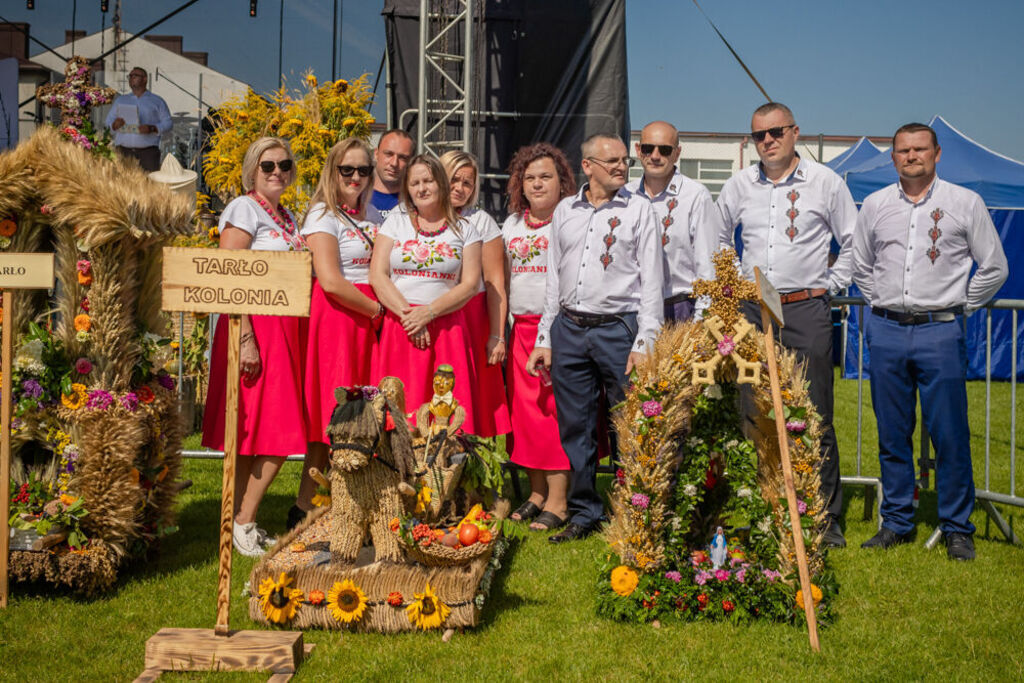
76,95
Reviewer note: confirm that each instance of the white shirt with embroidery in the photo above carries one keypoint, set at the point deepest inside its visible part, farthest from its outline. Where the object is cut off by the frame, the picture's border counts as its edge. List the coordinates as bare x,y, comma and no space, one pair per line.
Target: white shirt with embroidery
246,214
424,267
788,226
354,248
605,260
689,226
914,257
486,228
526,252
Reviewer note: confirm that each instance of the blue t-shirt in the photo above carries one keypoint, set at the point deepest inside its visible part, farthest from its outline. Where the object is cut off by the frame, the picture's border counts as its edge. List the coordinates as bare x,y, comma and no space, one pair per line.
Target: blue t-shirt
380,206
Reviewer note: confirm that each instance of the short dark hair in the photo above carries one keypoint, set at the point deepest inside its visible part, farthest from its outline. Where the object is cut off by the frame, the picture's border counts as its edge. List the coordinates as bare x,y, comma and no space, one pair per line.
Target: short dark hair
138,68
526,156
400,133
769,107
915,128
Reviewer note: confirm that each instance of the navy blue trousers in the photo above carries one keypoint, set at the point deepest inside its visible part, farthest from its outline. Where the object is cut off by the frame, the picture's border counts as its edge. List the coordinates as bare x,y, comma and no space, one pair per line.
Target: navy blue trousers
583,360
931,358
680,311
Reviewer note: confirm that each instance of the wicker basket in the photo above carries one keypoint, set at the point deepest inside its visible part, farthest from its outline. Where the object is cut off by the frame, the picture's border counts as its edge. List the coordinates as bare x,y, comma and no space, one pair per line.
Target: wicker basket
440,555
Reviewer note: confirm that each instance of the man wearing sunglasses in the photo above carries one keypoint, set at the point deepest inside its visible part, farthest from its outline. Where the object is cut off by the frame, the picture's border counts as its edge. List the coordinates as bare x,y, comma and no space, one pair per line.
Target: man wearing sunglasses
141,139
688,222
391,158
602,312
790,209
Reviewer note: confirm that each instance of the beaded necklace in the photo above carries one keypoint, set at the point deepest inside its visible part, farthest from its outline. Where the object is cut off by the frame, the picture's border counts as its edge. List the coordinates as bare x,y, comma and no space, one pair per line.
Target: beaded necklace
286,224
425,233
350,211
531,224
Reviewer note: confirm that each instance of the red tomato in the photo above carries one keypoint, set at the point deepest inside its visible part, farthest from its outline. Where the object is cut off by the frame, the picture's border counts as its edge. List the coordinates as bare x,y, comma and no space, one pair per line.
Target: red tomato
468,534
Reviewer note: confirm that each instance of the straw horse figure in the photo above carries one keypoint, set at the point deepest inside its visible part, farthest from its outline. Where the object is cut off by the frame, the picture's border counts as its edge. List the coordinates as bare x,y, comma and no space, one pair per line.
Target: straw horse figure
371,459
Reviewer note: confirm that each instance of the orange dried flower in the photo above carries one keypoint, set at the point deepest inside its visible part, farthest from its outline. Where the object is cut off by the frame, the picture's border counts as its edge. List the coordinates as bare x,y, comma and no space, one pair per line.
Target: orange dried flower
145,394
8,227
394,524
316,597
84,279
395,599
485,536
82,322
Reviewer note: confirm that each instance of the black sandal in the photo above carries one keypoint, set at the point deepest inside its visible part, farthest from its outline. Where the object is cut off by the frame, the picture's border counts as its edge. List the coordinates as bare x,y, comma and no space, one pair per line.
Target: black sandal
549,521
526,511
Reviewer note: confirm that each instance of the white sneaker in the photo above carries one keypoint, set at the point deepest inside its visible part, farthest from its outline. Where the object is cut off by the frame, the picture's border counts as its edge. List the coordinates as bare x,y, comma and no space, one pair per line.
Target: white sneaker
246,540
265,541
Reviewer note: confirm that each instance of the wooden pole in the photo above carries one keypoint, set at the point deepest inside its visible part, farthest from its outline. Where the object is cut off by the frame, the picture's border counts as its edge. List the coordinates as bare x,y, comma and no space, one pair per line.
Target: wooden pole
5,440
227,496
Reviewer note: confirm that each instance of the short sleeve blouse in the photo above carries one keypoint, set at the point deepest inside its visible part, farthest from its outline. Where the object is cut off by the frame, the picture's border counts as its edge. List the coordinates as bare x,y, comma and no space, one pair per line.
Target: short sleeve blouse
354,247
424,267
246,214
526,250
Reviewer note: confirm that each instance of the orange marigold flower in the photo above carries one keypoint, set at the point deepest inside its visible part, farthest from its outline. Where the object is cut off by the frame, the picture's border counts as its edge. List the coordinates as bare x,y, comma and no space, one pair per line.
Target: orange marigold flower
316,597
8,227
395,599
84,279
485,536
82,322
145,394
815,596
394,524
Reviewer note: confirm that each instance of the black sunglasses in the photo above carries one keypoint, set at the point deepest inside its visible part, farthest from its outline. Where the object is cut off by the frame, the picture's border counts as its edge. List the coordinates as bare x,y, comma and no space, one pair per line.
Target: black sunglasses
776,132
664,150
268,166
349,171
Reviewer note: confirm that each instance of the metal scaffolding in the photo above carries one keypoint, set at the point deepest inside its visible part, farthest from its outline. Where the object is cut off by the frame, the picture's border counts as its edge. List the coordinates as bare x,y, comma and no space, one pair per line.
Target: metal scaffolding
446,92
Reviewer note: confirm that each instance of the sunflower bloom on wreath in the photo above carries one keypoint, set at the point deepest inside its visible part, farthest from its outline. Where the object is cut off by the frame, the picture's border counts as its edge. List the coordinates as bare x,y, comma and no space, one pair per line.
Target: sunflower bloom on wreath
278,600
346,601
427,611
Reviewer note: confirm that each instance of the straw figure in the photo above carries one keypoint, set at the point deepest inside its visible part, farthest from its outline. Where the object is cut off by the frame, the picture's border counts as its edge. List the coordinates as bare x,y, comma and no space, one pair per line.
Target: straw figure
436,444
371,459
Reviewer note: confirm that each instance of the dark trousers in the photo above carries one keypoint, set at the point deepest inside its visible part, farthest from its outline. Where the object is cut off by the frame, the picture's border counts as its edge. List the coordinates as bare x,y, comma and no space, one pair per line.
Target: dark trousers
583,360
808,331
931,358
679,310
148,157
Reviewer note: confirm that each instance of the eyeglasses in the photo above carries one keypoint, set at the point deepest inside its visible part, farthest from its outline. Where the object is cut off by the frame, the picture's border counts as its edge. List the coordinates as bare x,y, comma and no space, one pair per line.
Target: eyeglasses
349,171
776,132
605,163
268,166
664,150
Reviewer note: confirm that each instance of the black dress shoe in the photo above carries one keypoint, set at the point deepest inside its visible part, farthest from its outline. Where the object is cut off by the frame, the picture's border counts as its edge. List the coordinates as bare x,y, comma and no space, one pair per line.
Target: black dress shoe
295,517
959,546
887,538
833,536
572,532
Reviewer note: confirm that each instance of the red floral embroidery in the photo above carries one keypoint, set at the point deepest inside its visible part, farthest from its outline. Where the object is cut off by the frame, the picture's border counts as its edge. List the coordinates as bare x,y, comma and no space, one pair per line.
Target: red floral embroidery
792,231
609,240
668,220
935,233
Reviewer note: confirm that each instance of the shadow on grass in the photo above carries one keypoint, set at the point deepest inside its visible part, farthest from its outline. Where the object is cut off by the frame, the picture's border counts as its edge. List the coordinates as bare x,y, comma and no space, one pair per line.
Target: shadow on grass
498,601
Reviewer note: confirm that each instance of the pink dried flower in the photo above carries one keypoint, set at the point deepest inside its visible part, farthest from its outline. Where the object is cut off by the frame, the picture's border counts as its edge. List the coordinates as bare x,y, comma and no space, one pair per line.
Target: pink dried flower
84,266
722,574
639,500
796,426
726,346
652,408
801,507
674,576
83,366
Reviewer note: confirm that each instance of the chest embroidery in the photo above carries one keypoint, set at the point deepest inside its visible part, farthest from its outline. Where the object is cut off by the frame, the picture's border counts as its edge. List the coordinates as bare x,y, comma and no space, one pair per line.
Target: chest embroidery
609,240
668,220
935,233
792,212
524,249
425,253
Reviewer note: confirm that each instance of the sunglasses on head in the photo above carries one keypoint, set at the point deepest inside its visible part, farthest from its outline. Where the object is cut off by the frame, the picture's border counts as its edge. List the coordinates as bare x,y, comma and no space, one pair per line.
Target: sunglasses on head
776,132
648,149
349,171
268,166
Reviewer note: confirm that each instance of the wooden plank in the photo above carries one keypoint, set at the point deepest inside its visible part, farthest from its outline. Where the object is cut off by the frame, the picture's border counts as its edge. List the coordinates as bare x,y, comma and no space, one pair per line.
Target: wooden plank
198,649
239,281
7,344
769,297
148,676
26,271
227,495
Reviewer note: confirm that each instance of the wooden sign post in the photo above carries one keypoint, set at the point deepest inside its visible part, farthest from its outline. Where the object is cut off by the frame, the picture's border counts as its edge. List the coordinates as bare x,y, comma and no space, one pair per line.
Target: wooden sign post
771,309
17,271
235,282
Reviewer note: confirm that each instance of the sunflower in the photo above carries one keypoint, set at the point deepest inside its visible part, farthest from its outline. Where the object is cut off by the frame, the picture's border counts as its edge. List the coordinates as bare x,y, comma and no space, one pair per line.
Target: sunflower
427,610
624,580
347,601
76,399
423,497
322,497
815,596
82,322
277,600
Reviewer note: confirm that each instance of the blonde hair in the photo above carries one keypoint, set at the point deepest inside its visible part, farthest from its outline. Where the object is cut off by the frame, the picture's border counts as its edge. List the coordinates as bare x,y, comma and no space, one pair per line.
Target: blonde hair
327,189
444,189
454,161
252,159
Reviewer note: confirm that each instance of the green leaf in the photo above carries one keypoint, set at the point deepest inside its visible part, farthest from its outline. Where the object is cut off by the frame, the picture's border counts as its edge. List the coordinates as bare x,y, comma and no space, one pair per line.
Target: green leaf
65,384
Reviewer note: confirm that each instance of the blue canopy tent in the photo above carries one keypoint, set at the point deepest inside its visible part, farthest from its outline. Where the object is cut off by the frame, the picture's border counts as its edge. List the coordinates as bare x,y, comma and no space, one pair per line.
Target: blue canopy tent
855,156
1000,182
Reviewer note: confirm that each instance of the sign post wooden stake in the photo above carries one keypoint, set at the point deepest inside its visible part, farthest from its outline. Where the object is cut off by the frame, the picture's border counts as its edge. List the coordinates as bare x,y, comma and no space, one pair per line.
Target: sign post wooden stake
17,271
771,308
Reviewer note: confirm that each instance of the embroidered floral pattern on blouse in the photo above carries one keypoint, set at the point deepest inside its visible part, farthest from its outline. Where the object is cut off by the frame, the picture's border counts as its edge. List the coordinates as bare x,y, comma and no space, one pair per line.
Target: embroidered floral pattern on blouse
371,232
609,240
524,249
668,220
935,233
792,212
424,253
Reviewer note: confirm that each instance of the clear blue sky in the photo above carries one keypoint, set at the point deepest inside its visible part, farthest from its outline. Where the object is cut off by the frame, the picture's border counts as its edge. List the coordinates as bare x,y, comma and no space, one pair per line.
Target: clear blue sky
844,67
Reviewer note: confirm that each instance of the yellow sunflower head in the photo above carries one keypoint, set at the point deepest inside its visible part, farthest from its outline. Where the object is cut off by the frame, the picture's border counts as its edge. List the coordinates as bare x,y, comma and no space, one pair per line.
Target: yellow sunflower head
624,580
815,596
427,610
278,600
346,601
76,399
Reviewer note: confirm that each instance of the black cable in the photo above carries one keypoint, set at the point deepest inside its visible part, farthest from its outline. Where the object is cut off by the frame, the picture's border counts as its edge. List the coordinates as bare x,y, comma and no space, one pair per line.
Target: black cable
749,73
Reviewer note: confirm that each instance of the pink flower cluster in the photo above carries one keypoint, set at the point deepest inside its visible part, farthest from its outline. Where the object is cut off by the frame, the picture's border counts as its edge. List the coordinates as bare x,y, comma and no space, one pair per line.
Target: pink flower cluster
726,345
651,408
639,500
796,426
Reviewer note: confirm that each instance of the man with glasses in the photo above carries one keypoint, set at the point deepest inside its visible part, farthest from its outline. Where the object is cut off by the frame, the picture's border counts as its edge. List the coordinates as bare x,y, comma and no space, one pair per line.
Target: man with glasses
150,117
915,244
602,311
688,222
790,209
394,149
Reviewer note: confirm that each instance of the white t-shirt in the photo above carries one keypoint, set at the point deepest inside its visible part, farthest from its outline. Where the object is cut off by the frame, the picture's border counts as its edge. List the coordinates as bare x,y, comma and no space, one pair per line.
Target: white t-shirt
486,229
425,267
246,214
353,248
526,250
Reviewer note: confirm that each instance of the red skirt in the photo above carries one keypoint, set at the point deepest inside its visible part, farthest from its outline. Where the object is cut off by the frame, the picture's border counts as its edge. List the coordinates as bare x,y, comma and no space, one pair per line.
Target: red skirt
270,410
535,441
340,350
449,343
490,410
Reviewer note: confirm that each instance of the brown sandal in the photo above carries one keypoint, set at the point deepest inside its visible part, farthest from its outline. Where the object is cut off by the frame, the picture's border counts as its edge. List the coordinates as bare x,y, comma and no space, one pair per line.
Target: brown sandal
549,521
526,511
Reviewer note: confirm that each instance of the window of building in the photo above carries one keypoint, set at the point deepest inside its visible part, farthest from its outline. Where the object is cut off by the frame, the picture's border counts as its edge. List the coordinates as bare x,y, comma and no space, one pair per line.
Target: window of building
712,173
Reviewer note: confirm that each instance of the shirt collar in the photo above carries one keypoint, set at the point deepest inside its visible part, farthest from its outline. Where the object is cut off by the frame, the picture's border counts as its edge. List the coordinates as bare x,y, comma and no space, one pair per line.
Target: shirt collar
675,185
621,197
799,173
922,200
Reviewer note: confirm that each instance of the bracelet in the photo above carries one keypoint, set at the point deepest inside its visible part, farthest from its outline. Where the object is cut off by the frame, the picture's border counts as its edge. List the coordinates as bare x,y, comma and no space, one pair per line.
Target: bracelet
500,340
379,314
430,310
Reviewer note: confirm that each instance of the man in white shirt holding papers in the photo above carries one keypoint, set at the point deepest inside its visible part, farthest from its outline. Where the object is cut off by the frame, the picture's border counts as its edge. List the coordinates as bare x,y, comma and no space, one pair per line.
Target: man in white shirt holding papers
138,119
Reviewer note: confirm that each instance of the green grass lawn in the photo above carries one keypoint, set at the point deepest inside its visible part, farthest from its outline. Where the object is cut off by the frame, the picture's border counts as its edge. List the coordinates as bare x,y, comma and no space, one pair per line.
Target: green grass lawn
904,614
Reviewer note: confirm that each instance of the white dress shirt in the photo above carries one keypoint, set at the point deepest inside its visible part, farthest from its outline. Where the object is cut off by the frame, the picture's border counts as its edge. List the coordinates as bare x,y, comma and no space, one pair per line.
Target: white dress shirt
605,260
689,226
788,226
526,253
153,111
354,247
915,257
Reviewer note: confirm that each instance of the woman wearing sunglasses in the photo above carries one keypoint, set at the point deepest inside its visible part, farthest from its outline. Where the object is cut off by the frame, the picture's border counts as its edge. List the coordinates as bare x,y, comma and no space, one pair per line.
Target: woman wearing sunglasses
344,313
487,310
271,423
425,267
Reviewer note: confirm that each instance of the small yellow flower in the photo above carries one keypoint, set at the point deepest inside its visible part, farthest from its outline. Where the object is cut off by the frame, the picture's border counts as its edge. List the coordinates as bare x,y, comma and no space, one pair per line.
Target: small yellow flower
76,399
349,122
295,122
277,601
320,500
66,500
815,596
346,601
427,610
423,499
624,580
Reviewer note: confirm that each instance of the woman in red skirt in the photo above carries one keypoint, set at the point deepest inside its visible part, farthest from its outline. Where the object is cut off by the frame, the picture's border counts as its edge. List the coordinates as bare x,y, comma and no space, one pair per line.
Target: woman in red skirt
344,312
271,424
539,177
425,267
487,311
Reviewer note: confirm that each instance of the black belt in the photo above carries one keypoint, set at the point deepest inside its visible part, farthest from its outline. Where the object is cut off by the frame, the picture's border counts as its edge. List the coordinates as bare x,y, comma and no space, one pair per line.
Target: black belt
591,319
945,315
678,298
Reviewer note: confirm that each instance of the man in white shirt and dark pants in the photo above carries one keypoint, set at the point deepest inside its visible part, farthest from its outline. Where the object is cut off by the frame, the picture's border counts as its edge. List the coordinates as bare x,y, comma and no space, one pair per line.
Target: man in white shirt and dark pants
602,311
140,141
913,250
790,209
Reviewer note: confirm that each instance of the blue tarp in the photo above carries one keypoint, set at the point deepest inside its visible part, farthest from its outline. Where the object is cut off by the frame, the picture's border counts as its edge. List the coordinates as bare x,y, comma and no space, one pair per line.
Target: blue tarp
855,156
1000,182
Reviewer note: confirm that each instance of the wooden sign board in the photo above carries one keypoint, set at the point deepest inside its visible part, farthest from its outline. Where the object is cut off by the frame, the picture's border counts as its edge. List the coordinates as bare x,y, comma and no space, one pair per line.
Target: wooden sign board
237,281
769,297
26,271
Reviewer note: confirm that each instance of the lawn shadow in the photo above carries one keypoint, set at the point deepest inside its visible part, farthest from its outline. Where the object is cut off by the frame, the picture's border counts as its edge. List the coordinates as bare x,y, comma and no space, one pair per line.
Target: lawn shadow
498,600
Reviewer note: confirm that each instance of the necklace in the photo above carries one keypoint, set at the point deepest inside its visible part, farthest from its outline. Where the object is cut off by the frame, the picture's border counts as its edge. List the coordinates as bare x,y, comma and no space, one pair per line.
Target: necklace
350,211
426,233
286,224
534,225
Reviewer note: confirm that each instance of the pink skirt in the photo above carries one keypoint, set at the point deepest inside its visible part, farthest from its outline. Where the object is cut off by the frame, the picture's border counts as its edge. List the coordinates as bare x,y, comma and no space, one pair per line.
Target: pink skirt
490,411
535,442
340,350
270,411
449,343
